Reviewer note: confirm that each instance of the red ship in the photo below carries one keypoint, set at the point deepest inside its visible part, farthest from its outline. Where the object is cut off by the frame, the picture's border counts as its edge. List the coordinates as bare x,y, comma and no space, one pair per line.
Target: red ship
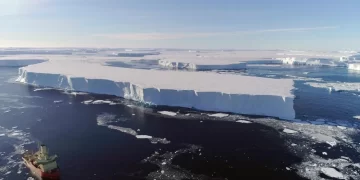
41,164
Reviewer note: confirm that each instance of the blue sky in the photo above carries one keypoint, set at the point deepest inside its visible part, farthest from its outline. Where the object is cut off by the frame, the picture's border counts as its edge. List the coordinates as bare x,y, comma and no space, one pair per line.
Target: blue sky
241,24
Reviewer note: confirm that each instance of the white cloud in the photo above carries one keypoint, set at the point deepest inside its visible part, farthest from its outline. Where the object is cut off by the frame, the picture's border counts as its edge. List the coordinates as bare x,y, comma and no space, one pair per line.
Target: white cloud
162,36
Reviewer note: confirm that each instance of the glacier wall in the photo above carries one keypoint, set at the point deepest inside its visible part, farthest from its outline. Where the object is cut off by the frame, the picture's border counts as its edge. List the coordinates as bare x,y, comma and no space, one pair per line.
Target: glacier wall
265,105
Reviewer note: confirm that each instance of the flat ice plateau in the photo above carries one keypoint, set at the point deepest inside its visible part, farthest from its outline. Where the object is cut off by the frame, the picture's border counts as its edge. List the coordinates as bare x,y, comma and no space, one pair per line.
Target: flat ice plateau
199,90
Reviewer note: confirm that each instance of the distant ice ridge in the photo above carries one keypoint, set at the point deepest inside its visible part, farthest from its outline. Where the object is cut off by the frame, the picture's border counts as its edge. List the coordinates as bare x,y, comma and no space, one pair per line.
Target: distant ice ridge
19,61
312,61
354,66
35,51
199,90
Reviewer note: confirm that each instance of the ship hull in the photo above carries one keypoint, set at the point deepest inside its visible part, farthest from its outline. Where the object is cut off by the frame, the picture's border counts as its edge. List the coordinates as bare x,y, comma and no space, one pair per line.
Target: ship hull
55,174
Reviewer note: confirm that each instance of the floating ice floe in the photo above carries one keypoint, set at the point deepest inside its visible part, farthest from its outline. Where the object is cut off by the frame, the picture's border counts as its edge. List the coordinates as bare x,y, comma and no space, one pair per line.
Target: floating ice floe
244,121
324,138
43,89
106,119
99,102
58,101
219,115
143,137
333,173
289,131
357,117
168,113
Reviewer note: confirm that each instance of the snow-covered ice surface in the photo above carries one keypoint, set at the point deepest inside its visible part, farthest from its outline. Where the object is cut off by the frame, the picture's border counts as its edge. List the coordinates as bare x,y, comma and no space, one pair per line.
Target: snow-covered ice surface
199,90
338,86
244,121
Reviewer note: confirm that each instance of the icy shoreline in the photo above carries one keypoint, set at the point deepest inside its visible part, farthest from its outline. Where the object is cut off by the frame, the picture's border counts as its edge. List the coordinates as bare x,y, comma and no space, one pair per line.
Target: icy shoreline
198,90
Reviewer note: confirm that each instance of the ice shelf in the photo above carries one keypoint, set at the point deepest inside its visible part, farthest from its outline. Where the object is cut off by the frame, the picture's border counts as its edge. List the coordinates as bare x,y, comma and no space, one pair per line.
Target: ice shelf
199,90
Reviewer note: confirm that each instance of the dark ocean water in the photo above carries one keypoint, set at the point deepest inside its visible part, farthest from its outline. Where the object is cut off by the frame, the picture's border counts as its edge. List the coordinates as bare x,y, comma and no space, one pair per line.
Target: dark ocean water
200,147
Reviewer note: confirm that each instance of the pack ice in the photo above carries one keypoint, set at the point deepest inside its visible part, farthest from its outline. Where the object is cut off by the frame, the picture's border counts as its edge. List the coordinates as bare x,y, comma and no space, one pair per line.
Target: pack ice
199,90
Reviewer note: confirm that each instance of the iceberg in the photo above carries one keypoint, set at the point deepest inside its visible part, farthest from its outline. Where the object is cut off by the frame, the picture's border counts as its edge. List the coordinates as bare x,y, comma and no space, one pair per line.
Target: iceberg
198,90
354,66
168,113
331,172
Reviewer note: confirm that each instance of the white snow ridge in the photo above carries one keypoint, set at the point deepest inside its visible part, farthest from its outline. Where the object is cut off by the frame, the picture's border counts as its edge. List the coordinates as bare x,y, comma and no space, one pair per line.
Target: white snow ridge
198,90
